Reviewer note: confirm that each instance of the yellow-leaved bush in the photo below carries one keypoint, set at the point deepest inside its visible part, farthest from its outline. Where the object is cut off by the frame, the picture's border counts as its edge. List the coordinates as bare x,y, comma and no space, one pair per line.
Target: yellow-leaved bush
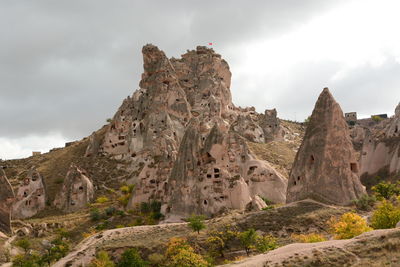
180,254
348,226
308,238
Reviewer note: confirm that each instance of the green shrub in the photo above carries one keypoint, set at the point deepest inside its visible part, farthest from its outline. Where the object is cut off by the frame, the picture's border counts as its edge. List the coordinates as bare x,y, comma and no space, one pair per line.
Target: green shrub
131,258
386,190
348,226
196,223
387,215
365,202
267,201
110,211
265,243
248,240
145,207
220,240
27,260
376,118
57,250
25,244
95,215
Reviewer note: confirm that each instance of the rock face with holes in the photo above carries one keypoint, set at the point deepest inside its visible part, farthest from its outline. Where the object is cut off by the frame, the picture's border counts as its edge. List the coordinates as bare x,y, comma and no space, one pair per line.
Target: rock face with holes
326,167
180,126
381,148
6,200
31,196
219,173
77,191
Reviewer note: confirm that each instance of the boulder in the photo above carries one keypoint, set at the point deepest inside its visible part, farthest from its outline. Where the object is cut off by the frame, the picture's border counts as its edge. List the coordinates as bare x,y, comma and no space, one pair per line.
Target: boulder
326,168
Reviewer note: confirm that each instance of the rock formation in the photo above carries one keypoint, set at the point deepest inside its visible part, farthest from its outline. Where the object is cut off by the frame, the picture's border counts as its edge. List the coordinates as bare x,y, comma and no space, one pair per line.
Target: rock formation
77,191
149,127
31,196
325,167
219,173
93,146
380,154
6,199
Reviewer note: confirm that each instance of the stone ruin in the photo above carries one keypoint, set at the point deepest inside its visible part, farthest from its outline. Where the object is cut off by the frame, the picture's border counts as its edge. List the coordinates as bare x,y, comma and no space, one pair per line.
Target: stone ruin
326,167
31,196
6,200
178,97
77,190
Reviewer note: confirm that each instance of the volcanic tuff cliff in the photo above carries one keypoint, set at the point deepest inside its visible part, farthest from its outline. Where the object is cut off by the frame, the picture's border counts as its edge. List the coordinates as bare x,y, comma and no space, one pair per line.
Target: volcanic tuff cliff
326,168
184,138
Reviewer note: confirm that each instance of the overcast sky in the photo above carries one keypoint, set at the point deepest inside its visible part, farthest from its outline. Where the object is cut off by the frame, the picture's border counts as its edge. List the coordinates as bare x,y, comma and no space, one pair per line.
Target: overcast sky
66,66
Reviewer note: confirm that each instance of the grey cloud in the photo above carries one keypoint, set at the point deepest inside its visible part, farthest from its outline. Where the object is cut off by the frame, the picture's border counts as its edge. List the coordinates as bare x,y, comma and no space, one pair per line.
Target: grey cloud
65,66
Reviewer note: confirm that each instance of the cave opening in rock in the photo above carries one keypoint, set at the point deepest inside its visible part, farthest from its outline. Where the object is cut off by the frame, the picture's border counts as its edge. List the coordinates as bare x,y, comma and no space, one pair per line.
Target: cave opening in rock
353,167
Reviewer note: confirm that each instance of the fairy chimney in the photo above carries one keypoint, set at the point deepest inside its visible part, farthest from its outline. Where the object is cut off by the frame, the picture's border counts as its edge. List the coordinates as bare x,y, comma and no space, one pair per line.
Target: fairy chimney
325,168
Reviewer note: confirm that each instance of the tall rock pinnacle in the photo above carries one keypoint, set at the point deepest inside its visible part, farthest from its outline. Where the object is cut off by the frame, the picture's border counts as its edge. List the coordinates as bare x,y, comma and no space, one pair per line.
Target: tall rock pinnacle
325,167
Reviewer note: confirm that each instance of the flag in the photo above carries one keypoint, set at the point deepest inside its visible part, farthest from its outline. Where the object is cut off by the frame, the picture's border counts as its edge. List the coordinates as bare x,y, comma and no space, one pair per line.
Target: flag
209,43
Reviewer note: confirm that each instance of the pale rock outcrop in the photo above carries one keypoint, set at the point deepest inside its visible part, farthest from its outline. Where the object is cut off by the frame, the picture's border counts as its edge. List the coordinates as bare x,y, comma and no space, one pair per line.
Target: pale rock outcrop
381,148
6,200
393,129
219,173
77,190
148,129
326,168
374,248
93,146
31,196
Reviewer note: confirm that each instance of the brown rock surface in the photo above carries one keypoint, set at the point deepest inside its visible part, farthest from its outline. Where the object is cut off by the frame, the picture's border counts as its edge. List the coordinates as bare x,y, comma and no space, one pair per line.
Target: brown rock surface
148,129
381,148
326,167
6,199
31,196
77,191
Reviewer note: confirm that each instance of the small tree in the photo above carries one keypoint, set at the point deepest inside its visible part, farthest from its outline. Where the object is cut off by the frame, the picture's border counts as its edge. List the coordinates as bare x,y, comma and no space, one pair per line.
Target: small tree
196,223
25,244
248,240
180,254
348,226
365,202
132,258
385,190
387,215
265,243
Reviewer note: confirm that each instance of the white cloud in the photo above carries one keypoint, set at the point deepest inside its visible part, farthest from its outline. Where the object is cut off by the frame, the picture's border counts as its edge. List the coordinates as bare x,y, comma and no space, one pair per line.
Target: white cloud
23,147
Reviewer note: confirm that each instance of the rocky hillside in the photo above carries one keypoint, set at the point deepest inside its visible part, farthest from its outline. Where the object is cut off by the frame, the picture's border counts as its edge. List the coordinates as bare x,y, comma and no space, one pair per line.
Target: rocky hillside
376,248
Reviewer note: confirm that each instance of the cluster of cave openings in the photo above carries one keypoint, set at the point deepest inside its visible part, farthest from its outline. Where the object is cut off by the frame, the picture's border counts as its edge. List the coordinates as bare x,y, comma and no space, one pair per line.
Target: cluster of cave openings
216,173
354,167
27,203
296,180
